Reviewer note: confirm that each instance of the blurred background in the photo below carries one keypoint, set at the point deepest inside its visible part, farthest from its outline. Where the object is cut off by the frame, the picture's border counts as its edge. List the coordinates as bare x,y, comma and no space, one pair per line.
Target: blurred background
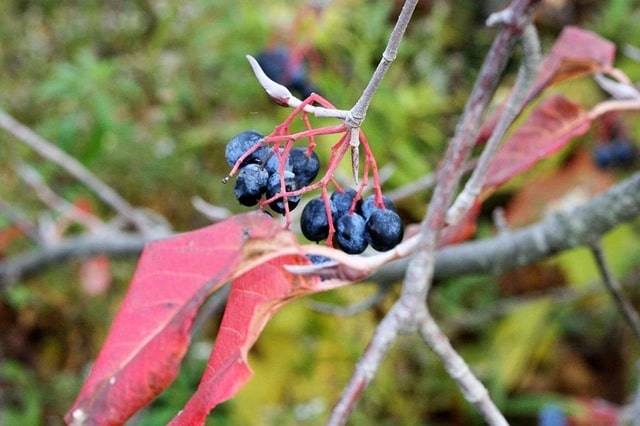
147,93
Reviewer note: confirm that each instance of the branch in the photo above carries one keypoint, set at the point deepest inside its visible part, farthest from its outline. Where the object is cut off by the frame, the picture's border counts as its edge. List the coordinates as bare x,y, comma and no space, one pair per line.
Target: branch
54,154
411,306
472,389
555,233
114,244
615,290
359,110
560,231
526,77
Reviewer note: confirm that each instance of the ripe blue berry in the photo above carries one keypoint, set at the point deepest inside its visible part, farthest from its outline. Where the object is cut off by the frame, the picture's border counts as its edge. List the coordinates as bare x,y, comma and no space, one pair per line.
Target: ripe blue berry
616,153
305,168
274,187
241,143
316,259
274,64
251,184
350,234
279,66
623,152
313,221
341,203
384,229
368,205
602,156
272,165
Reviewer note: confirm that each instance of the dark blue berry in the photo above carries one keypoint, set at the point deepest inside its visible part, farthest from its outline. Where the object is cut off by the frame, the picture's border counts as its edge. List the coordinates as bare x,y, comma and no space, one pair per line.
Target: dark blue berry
272,165
341,203
280,66
251,184
305,168
368,205
313,221
274,187
384,229
316,259
274,63
623,152
602,156
616,153
350,234
241,143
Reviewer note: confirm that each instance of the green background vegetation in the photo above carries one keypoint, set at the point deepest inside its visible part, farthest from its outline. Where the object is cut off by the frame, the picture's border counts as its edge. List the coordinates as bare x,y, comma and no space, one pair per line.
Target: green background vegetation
146,94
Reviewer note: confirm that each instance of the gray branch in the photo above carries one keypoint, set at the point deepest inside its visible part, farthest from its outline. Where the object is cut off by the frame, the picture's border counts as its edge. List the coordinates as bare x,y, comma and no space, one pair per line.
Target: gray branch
556,233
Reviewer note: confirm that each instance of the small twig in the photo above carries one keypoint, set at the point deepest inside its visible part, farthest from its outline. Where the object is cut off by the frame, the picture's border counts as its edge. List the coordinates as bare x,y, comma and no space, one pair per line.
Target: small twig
524,82
635,407
67,210
500,220
614,288
214,305
615,88
423,183
614,105
555,233
20,221
367,366
472,389
356,308
210,211
411,305
52,153
359,110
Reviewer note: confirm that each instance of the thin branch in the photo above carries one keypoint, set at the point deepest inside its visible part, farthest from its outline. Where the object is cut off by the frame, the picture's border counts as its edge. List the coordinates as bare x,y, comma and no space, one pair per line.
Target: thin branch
356,308
472,389
411,305
68,211
359,110
367,366
614,288
526,77
54,154
635,407
555,233
20,221
115,244
423,183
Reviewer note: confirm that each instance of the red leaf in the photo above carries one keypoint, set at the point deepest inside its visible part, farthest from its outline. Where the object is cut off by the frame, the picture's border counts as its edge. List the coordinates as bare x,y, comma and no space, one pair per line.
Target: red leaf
549,127
576,52
95,275
150,333
254,298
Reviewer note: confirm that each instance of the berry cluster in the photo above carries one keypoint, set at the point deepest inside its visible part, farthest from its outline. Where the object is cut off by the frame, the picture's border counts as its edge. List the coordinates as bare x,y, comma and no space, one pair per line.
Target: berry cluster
357,223
619,152
266,171
281,175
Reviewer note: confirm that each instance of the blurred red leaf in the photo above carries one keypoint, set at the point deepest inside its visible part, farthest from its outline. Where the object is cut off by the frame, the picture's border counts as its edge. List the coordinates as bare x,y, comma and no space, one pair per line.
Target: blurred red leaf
549,127
575,53
95,275
7,236
150,333
254,298
576,181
